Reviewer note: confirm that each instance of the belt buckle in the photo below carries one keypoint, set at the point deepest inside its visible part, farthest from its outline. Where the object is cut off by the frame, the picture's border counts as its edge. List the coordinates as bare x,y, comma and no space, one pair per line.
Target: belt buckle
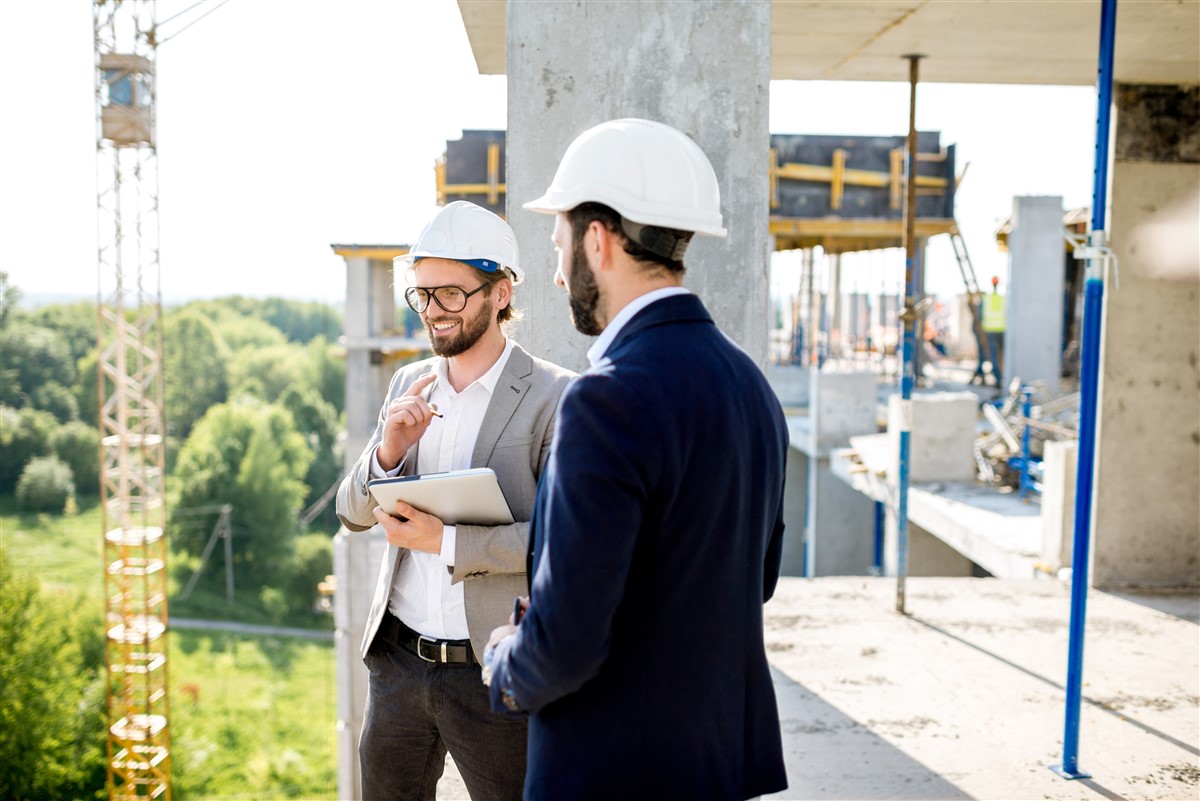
433,641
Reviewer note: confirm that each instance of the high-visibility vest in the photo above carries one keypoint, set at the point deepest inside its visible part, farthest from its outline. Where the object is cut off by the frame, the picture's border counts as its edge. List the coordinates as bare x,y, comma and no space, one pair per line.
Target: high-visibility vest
993,313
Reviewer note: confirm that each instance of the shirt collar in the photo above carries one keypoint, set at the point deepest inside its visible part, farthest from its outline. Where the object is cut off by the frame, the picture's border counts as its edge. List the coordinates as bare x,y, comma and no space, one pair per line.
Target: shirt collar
596,352
488,380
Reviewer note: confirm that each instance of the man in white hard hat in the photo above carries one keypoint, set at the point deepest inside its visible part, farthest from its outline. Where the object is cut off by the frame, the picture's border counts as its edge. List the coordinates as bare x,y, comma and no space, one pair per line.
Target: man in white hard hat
481,401
658,524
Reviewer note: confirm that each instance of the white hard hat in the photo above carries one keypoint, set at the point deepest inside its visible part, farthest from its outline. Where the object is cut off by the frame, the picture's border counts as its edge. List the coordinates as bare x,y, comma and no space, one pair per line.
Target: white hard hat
648,172
462,231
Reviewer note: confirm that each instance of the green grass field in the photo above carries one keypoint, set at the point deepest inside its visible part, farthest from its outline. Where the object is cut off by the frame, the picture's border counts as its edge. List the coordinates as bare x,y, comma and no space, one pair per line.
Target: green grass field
251,717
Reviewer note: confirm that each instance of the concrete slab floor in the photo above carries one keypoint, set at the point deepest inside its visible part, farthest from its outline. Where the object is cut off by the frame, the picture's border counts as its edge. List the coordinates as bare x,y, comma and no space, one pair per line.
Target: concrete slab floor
963,698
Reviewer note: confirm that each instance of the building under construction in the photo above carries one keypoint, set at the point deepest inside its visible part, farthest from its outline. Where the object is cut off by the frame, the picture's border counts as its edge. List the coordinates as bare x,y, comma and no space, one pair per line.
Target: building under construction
926,444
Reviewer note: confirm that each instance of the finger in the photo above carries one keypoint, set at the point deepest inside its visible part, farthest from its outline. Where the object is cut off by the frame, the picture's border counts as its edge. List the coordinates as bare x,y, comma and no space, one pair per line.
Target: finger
409,411
420,384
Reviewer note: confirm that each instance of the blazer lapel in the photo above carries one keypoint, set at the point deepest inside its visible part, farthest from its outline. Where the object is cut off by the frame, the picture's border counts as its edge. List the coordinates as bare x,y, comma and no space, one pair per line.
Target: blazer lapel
510,391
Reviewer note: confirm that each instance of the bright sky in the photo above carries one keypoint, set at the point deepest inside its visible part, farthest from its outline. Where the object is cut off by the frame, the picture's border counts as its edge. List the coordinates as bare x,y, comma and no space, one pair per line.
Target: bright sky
285,127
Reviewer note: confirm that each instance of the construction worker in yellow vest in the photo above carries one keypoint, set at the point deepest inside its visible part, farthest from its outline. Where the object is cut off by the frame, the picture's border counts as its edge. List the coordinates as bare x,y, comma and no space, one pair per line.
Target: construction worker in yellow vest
992,315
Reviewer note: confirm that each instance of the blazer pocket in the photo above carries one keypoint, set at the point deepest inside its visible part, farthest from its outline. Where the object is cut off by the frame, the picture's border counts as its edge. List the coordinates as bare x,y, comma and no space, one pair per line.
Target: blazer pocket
513,442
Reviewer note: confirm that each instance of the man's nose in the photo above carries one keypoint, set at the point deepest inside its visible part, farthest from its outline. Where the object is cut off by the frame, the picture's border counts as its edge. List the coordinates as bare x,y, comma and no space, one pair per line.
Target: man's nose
559,280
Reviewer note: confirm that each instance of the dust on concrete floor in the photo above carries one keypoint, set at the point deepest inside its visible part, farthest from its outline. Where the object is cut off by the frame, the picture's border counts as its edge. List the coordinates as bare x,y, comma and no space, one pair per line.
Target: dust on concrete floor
962,698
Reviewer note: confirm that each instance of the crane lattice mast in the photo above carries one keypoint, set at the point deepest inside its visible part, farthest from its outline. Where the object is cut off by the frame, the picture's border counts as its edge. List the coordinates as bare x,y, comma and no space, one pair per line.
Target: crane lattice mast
130,399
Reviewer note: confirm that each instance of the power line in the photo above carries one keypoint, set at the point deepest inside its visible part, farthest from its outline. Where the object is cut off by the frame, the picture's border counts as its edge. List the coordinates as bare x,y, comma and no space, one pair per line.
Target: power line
193,22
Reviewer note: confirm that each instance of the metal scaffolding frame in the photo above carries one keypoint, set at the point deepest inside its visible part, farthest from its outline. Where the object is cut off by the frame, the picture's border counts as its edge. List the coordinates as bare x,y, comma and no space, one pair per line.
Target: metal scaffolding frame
130,400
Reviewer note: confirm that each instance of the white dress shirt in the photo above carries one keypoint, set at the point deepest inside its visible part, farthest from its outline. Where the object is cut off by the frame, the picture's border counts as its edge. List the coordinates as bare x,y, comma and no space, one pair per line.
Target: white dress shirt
595,353
422,595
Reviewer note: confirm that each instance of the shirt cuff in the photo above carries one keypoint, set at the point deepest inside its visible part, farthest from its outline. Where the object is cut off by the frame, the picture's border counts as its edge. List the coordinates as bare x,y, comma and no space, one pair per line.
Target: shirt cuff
377,470
449,537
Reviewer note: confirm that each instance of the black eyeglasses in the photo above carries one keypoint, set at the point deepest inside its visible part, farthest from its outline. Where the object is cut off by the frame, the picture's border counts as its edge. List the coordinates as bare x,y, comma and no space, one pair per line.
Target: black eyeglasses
450,298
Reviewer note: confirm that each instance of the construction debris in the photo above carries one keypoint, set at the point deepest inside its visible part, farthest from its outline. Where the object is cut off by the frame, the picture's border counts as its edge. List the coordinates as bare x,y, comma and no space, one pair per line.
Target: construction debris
1018,425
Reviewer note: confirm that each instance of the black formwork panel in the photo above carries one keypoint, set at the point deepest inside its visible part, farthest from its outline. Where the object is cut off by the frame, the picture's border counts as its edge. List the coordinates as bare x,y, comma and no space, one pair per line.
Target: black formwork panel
811,199
467,163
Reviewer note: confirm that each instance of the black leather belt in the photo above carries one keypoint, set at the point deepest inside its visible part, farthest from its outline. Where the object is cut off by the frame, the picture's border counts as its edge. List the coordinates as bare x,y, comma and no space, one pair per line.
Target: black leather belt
444,652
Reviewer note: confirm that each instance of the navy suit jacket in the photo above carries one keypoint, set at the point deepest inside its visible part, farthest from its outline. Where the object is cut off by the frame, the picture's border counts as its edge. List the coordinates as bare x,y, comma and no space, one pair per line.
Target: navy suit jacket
658,527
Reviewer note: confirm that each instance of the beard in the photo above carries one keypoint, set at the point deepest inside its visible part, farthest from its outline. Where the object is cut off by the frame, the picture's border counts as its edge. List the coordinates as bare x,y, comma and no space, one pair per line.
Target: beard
582,292
470,331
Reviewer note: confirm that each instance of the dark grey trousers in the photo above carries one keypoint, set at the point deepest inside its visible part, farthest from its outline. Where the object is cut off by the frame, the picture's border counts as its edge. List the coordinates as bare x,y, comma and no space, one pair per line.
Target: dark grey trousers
417,710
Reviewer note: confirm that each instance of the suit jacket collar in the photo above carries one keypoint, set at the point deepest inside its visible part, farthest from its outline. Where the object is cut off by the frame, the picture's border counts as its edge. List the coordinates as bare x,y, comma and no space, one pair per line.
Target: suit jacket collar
673,309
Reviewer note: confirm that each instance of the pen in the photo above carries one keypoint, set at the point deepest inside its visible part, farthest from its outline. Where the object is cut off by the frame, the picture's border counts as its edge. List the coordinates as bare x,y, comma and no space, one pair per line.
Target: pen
433,408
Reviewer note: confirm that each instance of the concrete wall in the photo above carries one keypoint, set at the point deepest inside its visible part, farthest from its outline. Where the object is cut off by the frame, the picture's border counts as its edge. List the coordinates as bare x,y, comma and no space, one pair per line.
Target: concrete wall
701,66
1033,334
1146,505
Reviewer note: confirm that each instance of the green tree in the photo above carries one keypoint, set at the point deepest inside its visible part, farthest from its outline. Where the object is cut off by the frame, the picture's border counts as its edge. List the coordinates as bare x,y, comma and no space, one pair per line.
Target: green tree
318,422
195,369
87,388
77,444
24,434
240,332
32,356
248,454
267,370
10,299
325,371
74,322
302,321
311,561
52,719
45,485
299,321
53,397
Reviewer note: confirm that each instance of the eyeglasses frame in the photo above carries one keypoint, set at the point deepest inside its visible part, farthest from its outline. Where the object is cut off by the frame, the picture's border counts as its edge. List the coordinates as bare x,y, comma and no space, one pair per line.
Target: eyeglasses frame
432,292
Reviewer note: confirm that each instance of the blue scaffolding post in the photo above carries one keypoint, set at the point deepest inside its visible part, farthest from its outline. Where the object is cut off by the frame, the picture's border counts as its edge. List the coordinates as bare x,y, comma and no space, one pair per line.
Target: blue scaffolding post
1096,252
908,317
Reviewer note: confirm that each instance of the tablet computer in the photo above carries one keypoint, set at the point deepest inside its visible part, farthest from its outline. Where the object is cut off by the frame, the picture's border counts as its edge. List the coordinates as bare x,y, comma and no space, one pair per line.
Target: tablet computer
470,496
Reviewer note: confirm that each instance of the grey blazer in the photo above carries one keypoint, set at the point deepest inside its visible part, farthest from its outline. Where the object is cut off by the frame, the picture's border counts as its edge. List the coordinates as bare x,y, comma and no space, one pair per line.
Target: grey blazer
514,440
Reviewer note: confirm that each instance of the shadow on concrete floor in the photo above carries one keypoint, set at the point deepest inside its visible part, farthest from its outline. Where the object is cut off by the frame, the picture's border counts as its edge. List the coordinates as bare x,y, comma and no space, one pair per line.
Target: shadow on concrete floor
1184,604
832,756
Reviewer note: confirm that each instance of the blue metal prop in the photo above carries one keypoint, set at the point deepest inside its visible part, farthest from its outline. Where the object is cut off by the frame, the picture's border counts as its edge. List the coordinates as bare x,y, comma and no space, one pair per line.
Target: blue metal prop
1089,379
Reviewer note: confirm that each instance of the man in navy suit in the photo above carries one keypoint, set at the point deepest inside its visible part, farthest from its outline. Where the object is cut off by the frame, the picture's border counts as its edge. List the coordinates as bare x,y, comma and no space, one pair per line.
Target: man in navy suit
658,520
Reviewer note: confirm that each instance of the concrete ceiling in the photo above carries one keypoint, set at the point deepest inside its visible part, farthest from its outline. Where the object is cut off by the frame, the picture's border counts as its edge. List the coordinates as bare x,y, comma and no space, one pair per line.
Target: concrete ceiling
966,41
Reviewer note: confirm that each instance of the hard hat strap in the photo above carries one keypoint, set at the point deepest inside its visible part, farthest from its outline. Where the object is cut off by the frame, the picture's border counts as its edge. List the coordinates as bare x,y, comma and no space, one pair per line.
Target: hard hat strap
661,242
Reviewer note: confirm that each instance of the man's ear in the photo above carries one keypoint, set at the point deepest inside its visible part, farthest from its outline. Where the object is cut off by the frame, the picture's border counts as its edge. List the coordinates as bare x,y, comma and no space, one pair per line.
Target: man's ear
598,245
504,293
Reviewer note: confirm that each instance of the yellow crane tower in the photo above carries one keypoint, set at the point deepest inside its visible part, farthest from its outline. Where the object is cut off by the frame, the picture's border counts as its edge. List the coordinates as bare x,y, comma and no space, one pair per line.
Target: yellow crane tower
130,393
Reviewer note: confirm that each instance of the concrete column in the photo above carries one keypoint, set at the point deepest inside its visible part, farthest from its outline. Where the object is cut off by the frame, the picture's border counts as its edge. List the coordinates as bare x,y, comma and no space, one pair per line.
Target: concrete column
1033,331
943,432
356,558
360,387
1146,500
701,66
370,316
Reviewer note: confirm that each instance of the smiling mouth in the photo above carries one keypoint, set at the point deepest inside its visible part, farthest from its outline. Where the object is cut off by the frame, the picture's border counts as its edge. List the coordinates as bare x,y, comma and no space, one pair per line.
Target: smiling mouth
443,327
